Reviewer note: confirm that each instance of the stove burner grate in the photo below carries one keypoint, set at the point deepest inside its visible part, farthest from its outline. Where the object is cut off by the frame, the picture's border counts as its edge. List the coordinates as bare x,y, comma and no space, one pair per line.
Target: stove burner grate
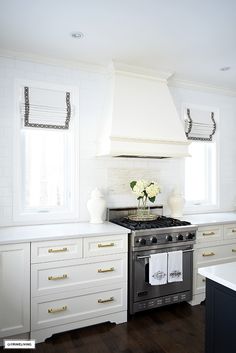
160,222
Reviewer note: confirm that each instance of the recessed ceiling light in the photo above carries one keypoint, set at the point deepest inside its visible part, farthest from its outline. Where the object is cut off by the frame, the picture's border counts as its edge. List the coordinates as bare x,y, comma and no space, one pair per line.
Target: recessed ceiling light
225,68
77,35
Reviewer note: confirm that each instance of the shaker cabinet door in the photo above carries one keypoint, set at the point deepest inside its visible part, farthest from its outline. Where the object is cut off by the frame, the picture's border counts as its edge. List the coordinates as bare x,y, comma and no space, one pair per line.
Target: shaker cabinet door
14,289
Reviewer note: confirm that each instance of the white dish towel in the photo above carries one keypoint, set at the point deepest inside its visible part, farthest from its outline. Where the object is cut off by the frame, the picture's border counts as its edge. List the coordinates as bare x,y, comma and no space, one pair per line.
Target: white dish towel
158,269
175,266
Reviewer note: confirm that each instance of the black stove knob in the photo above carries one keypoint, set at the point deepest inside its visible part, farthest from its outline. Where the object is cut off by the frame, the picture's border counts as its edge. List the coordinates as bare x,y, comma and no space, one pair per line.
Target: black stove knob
180,237
142,241
154,240
169,237
190,236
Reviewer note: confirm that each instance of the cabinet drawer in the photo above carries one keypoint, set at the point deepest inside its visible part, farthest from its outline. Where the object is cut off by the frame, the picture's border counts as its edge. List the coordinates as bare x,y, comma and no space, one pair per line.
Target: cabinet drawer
230,231
209,254
111,244
56,250
231,251
213,253
72,275
212,233
76,306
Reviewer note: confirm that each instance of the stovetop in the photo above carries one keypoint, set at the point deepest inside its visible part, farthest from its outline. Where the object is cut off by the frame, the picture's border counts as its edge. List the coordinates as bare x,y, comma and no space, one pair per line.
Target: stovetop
163,232
160,222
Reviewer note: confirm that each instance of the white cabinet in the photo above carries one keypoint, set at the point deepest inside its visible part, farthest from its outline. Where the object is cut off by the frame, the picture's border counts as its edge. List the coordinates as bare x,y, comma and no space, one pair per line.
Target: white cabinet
214,245
56,250
70,307
230,231
111,244
77,283
14,289
68,275
208,234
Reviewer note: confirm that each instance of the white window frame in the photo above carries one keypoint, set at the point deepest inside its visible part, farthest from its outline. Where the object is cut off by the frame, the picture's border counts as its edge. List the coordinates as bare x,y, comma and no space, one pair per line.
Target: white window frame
19,215
195,207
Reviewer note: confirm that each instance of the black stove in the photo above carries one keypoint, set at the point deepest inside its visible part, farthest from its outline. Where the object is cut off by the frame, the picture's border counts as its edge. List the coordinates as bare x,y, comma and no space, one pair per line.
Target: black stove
160,222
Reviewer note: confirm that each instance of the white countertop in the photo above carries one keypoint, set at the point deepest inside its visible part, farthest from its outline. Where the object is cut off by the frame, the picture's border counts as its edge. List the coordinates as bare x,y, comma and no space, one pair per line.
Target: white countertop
224,274
68,230
207,219
25,234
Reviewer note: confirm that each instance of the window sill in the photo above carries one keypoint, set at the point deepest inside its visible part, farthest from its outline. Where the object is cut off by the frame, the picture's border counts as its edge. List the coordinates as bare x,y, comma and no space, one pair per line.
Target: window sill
45,218
201,209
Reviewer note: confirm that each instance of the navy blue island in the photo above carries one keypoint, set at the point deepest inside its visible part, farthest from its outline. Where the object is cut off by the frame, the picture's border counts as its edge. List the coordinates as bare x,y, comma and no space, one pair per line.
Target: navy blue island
220,308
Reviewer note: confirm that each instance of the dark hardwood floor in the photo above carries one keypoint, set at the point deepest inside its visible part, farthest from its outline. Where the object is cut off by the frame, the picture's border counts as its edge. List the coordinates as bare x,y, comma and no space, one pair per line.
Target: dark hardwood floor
172,329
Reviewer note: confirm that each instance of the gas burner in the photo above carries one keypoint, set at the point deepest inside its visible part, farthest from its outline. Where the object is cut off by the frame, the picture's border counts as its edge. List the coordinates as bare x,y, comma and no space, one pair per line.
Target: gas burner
160,222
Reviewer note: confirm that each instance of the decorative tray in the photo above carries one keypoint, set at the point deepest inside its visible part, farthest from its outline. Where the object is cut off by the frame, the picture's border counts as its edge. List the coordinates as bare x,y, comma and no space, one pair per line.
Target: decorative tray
147,217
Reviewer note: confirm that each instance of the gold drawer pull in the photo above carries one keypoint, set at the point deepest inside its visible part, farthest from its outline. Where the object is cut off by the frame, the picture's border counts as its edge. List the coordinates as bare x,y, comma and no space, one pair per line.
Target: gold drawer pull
233,230
58,250
55,278
233,250
208,254
106,270
101,301
105,245
208,233
57,310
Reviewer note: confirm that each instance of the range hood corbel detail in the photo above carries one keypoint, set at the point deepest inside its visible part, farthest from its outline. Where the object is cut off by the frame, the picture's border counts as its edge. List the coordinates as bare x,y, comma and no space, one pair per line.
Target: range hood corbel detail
141,120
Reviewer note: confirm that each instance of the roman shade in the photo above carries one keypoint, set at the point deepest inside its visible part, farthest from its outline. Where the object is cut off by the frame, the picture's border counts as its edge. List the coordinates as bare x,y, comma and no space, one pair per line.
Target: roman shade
200,124
46,108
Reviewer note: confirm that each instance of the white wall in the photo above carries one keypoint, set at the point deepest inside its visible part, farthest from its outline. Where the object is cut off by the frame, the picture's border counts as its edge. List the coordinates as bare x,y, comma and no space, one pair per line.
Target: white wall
111,175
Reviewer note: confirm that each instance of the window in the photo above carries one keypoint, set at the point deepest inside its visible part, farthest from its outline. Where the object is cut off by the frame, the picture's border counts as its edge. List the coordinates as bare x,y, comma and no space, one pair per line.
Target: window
201,176
201,171
45,171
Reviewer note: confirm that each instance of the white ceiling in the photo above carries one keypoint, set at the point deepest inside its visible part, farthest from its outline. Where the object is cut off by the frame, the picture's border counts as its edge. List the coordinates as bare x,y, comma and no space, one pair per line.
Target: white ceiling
192,38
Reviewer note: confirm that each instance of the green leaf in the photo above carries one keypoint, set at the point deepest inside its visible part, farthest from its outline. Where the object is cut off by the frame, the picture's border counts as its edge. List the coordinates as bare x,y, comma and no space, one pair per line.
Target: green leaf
132,184
152,199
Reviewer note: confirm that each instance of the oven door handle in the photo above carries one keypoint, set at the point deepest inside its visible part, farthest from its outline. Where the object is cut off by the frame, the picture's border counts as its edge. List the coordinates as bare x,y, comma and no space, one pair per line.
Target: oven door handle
148,256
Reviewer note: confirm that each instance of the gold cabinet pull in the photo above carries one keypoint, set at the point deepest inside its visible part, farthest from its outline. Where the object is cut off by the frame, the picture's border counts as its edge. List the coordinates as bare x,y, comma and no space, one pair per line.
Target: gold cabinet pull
105,245
58,250
233,250
208,233
55,278
208,254
106,270
57,310
233,230
101,301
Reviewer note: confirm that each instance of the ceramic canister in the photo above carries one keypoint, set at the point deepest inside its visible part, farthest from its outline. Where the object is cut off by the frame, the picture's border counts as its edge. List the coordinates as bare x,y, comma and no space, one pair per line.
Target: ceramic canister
96,206
176,203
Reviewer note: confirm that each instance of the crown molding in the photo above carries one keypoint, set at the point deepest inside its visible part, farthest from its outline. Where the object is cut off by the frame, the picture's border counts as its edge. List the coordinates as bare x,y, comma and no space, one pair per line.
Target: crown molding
122,68
200,86
71,64
139,71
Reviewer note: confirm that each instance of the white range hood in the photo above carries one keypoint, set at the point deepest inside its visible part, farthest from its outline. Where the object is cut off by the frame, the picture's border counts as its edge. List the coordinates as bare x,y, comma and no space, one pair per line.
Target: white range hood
141,120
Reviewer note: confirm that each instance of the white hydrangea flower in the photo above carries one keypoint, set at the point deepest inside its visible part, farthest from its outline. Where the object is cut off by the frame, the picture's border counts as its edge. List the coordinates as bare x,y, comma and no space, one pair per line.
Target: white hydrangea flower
152,190
138,189
145,189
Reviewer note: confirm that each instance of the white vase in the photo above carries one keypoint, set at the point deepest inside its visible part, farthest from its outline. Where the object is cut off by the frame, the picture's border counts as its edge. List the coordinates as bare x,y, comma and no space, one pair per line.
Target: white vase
176,203
96,206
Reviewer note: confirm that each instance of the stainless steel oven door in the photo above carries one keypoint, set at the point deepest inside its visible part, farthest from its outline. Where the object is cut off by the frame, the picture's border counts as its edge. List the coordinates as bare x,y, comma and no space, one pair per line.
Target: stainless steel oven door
142,290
